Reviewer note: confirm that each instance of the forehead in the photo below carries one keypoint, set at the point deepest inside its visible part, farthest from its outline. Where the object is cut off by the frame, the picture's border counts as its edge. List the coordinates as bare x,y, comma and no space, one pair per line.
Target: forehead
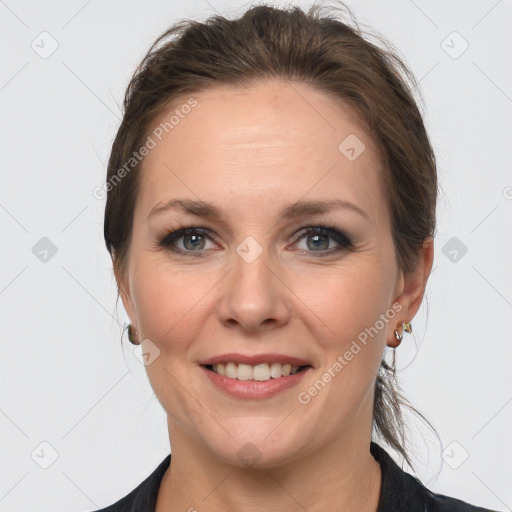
272,139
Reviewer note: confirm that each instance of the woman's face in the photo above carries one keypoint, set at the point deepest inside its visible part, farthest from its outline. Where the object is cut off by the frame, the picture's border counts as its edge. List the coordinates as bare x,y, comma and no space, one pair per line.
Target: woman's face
251,281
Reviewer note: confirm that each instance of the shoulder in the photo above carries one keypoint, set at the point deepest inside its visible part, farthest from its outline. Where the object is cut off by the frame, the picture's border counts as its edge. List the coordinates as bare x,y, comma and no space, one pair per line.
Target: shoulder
401,492
442,503
143,497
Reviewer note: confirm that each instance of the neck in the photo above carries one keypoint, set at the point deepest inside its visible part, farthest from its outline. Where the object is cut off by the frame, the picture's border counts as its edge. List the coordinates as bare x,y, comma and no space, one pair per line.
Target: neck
342,476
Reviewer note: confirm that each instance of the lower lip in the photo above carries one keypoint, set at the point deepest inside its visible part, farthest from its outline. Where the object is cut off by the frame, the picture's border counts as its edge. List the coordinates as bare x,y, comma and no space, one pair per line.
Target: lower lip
254,389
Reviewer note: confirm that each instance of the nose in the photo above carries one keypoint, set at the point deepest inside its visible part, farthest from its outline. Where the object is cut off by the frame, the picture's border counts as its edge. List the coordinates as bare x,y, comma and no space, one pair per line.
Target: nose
254,296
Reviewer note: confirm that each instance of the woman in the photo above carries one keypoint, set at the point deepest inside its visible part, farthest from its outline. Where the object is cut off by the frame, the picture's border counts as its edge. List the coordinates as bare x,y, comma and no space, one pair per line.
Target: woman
270,217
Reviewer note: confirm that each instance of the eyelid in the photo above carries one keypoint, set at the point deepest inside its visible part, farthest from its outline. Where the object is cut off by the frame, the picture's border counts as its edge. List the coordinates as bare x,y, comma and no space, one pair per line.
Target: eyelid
343,241
175,234
324,229
331,230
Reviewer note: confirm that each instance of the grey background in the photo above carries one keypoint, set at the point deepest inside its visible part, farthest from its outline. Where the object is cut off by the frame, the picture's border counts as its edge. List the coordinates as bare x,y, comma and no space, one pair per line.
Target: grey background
77,402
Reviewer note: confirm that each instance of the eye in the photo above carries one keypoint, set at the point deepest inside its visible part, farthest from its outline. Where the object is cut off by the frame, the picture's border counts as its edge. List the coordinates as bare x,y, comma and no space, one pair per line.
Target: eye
319,240
190,239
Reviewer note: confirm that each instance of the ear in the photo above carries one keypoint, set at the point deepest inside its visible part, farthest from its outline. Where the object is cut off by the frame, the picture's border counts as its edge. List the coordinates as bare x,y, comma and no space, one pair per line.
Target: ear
123,285
415,282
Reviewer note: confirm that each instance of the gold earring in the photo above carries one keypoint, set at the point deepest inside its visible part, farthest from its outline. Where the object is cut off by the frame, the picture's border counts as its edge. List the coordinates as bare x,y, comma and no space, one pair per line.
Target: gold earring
398,339
398,336
130,335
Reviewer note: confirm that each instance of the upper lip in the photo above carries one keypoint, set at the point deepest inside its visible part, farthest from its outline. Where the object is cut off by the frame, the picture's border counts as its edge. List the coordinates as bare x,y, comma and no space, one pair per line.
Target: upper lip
255,359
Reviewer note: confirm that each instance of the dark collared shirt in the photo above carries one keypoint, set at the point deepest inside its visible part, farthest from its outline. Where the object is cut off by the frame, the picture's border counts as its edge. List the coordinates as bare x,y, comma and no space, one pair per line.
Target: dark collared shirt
400,491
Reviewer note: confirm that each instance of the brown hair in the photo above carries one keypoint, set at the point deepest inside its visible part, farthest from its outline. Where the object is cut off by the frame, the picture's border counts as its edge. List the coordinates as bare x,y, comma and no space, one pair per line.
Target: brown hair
331,56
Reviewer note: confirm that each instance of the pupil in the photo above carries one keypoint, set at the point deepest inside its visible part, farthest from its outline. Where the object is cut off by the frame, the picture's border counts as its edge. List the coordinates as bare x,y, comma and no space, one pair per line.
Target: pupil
316,237
195,243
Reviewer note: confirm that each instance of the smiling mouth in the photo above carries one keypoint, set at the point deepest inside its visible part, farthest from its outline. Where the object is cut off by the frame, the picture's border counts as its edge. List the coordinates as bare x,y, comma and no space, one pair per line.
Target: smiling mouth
260,372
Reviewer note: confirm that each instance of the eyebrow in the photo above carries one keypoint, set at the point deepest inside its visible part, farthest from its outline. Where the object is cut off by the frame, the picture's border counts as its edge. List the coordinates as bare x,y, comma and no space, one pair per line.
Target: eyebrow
203,209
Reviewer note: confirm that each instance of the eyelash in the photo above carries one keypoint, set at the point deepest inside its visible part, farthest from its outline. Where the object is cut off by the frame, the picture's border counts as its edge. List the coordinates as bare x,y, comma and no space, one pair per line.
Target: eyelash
319,229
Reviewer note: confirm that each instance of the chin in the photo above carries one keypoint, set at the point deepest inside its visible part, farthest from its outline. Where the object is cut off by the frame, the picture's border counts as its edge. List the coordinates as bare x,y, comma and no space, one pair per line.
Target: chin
257,449
251,456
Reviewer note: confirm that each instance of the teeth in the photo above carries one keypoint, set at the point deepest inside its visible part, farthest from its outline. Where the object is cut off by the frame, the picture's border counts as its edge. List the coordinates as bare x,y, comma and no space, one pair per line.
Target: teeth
244,372
275,370
230,370
260,372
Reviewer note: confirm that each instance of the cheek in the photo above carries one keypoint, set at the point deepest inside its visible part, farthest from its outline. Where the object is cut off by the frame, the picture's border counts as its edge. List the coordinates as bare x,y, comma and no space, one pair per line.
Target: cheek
347,325
170,301
346,302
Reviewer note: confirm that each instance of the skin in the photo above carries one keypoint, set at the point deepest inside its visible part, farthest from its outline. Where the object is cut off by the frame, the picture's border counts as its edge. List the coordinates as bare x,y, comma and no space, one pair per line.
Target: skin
252,152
